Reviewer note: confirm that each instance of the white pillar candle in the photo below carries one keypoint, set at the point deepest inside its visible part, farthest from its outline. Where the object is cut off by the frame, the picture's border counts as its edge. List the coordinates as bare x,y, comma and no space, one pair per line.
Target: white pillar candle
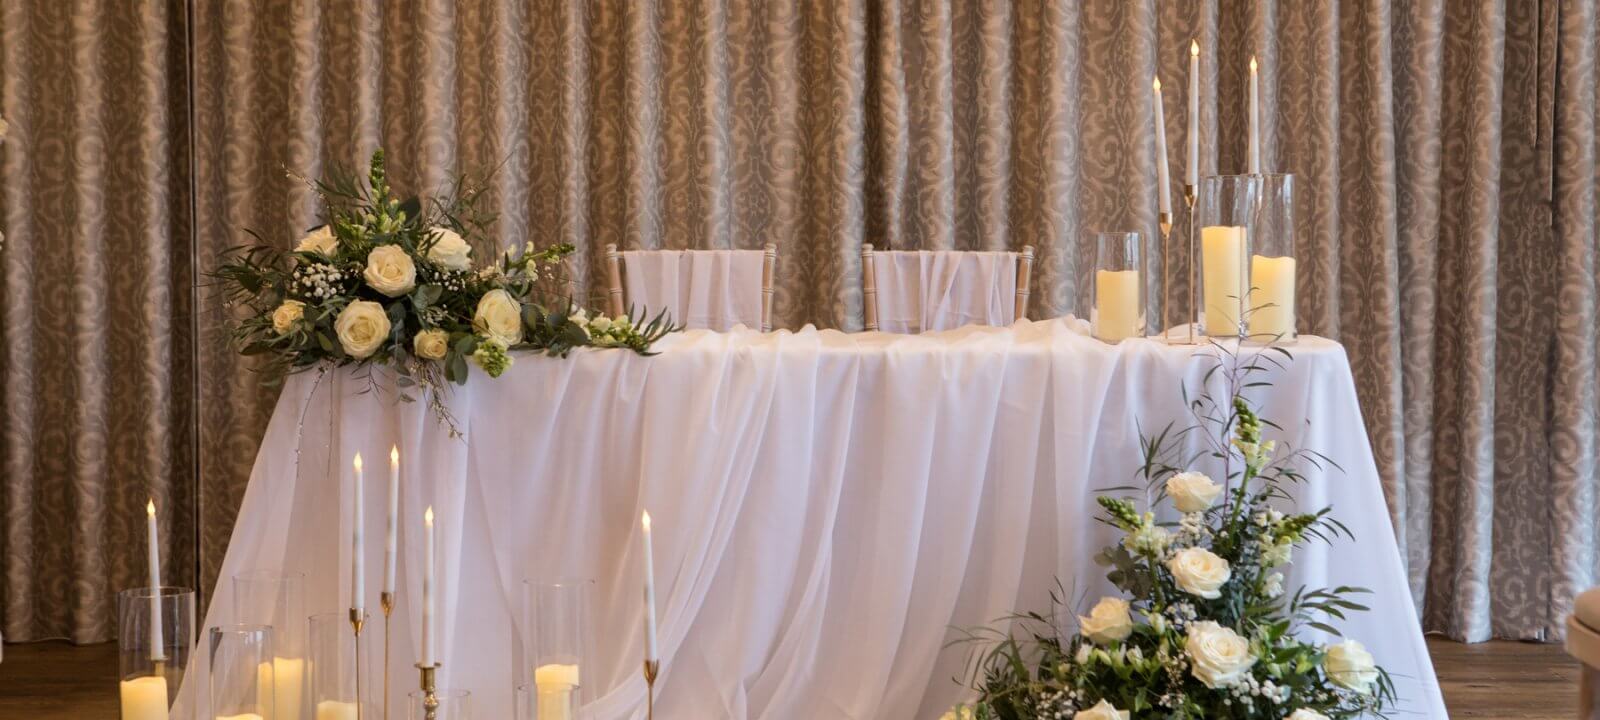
1222,258
391,538
336,710
557,686
1163,178
1116,305
1255,119
286,677
144,698
1271,297
241,716
651,650
158,644
427,588
358,560
1192,175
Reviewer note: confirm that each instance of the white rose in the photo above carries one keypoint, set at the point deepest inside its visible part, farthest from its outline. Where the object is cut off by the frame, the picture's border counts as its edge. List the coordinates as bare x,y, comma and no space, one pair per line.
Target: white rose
1108,621
1218,656
362,327
390,270
431,344
1350,665
1199,572
1192,492
319,242
1102,711
287,314
449,250
1273,587
499,316
1306,714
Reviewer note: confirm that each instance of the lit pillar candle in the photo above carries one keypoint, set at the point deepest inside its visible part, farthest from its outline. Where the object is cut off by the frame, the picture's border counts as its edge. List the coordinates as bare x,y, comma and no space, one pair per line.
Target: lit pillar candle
1255,119
1163,178
1192,172
358,560
1116,304
391,539
1222,258
241,716
144,698
651,651
336,710
158,645
427,588
557,685
286,676
1271,297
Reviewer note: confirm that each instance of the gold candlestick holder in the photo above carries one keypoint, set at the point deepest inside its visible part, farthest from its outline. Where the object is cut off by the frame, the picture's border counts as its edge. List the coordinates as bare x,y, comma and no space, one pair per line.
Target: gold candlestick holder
358,620
652,668
386,600
1164,222
430,697
1190,312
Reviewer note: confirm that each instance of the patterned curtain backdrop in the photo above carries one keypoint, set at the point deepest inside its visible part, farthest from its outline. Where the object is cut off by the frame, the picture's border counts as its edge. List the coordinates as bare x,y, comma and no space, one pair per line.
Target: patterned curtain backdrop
1445,151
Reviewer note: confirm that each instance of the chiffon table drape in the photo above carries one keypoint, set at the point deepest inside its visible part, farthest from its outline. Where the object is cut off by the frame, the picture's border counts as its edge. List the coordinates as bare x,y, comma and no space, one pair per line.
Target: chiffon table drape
829,509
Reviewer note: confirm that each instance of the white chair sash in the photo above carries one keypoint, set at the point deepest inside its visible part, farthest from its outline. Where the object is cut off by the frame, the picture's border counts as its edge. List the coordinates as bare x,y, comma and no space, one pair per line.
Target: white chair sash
711,289
926,290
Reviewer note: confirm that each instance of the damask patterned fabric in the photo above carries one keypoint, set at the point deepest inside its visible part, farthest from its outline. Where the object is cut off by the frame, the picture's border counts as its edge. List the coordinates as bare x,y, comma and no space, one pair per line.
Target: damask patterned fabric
1446,150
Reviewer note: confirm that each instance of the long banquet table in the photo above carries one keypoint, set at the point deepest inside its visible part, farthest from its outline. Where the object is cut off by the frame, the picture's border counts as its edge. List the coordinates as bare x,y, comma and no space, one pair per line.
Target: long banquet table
829,508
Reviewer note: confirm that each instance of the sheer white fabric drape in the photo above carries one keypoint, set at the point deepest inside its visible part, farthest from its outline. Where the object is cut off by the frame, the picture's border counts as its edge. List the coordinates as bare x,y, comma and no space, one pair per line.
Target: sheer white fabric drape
925,290
706,289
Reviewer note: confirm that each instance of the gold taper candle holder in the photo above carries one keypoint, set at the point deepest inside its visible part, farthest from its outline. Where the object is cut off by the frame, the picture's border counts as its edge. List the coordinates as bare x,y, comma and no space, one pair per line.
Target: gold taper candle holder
1191,311
386,600
358,620
651,669
430,697
1164,222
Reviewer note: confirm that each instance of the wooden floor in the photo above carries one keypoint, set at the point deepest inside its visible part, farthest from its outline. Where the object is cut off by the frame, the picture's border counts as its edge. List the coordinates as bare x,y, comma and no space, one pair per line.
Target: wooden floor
55,681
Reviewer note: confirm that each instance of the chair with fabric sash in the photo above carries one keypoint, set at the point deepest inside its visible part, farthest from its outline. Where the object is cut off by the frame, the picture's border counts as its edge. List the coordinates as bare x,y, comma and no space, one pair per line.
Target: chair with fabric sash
912,291
711,289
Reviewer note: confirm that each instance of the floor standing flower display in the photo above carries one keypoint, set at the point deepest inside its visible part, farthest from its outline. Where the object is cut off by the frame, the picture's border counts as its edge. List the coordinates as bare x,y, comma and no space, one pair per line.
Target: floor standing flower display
1206,628
391,281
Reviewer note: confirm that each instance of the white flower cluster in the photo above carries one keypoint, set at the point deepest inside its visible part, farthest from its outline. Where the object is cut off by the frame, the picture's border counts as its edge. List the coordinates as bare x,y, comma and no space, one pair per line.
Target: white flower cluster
319,281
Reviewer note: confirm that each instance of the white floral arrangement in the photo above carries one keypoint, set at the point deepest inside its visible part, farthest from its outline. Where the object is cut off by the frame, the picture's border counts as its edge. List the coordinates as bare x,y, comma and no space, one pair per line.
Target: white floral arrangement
393,282
1205,629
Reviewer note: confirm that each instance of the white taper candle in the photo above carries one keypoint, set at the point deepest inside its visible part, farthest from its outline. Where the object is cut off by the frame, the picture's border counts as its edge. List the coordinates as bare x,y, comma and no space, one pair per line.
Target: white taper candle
358,566
391,538
1163,176
158,649
652,652
1192,172
427,587
1255,119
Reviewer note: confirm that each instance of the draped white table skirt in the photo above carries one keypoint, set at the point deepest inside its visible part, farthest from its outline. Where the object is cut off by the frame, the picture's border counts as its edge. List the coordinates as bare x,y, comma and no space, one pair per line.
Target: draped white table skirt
828,507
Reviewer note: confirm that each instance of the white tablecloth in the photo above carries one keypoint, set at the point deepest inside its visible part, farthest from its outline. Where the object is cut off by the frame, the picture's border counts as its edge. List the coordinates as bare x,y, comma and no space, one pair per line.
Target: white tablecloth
827,506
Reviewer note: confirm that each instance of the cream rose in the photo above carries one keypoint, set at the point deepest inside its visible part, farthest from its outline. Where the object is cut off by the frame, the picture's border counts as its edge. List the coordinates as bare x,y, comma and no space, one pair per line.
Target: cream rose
1108,621
362,327
320,241
1199,572
287,314
449,250
431,344
1192,491
390,270
499,316
1306,714
1218,656
1350,665
1102,711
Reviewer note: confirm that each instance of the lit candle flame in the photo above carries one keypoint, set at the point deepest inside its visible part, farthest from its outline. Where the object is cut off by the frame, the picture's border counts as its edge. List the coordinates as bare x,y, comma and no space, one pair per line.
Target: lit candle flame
394,455
646,521
1194,48
358,462
427,517
1157,84
150,507
1252,64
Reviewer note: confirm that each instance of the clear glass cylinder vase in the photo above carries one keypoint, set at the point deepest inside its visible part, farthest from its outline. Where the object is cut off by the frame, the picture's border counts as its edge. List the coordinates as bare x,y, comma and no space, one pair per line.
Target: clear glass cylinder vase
242,673
276,599
155,634
556,615
340,670
1226,213
1271,317
1119,285
453,705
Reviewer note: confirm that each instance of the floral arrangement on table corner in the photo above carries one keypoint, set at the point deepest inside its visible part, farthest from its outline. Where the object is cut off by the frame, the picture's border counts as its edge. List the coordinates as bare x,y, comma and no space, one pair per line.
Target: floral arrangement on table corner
393,282
1206,629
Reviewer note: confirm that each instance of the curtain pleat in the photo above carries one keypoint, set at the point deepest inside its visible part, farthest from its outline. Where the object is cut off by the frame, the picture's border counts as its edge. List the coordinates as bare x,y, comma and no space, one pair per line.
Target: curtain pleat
1445,155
